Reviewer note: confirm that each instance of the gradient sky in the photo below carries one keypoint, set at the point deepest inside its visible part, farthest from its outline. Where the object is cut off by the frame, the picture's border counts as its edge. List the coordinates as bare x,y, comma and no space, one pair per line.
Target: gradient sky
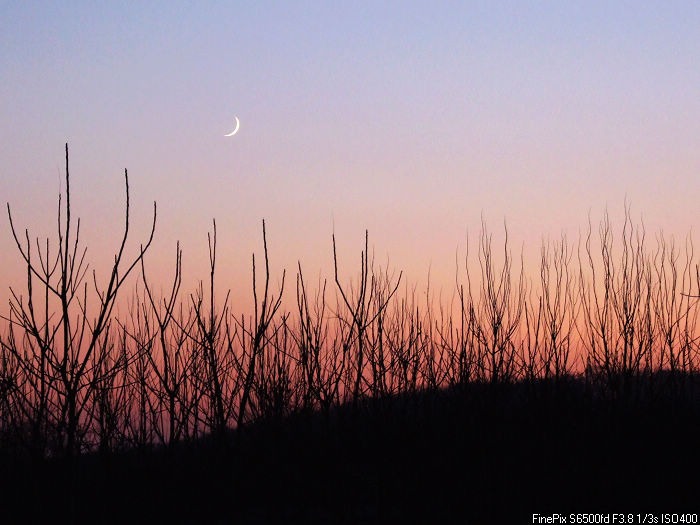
410,119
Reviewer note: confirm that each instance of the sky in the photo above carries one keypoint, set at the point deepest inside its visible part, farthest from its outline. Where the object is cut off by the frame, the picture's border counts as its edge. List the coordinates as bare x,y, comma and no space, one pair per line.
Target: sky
413,120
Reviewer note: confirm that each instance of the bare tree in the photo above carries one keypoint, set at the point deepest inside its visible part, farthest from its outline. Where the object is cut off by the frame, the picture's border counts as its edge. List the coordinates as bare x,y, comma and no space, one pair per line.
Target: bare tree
497,312
257,334
359,306
60,352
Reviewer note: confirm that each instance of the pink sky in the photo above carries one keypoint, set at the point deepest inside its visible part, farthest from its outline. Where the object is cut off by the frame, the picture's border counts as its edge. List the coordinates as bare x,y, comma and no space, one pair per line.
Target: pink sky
410,120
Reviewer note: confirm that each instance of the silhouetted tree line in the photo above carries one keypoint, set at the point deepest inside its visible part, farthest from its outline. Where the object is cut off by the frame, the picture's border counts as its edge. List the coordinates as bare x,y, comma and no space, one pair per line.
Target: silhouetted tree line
610,311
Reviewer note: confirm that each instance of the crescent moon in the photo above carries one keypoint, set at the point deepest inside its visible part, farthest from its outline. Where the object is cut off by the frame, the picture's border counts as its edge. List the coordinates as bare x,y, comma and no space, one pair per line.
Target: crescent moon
238,125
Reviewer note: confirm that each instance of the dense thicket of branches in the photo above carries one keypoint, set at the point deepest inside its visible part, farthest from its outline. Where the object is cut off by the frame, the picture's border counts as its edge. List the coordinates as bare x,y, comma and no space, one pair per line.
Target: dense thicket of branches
610,310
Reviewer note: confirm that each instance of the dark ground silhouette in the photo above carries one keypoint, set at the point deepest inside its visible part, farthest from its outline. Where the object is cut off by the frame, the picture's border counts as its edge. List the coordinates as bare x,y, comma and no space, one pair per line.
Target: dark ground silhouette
487,453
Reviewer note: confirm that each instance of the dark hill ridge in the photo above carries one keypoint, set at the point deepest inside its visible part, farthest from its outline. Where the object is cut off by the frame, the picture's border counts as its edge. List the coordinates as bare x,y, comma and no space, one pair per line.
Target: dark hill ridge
477,453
